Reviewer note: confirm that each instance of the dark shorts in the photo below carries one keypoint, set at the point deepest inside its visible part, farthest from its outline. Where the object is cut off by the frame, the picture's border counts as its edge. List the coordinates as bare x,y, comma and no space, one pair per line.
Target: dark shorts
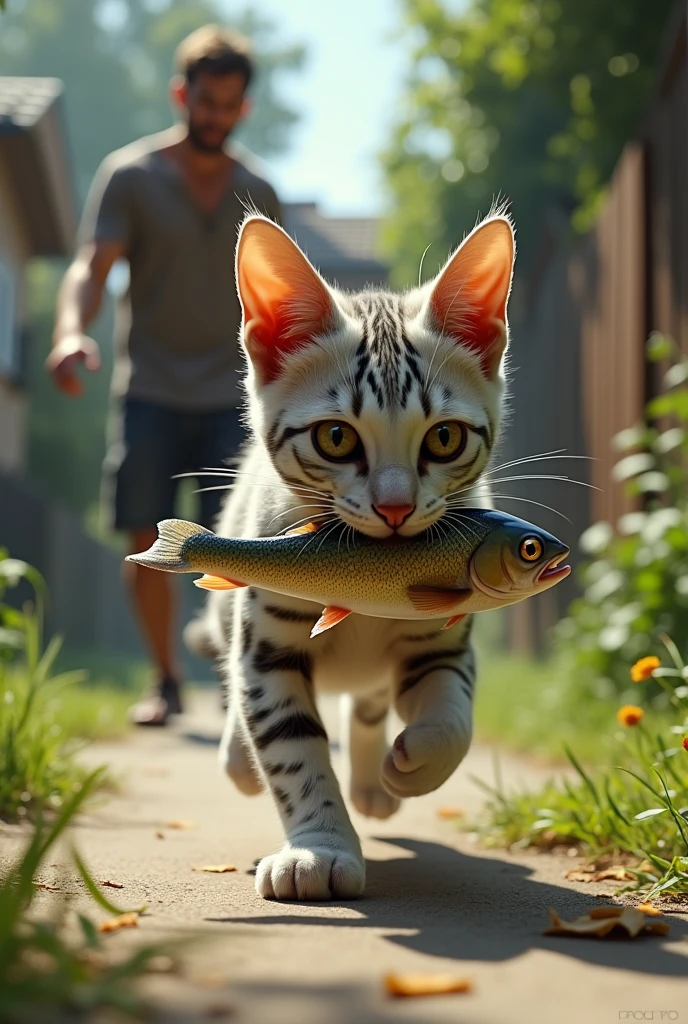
149,445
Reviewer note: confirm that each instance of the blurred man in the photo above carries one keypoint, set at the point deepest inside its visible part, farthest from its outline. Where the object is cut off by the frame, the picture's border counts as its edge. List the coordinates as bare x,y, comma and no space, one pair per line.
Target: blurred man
170,205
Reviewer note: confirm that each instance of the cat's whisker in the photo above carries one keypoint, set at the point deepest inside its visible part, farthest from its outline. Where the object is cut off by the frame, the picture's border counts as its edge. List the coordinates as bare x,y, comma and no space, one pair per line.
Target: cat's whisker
529,501
306,519
258,482
558,454
544,476
296,508
272,482
327,534
457,517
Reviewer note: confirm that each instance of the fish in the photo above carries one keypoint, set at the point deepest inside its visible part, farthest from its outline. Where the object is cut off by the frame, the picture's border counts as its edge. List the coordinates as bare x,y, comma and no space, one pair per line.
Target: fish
493,560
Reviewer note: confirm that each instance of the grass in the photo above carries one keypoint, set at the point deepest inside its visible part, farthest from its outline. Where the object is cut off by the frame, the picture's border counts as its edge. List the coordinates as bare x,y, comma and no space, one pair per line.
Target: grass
40,971
629,800
42,711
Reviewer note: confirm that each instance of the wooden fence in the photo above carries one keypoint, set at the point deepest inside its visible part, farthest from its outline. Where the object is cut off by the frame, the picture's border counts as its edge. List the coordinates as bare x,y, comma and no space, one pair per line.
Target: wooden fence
579,371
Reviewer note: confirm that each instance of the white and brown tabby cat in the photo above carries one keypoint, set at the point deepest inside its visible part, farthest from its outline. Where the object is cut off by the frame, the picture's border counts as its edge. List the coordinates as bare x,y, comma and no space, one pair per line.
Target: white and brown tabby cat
366,411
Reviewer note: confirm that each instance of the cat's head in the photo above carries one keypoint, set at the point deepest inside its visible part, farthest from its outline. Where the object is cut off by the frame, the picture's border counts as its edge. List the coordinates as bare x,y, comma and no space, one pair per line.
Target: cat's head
387,403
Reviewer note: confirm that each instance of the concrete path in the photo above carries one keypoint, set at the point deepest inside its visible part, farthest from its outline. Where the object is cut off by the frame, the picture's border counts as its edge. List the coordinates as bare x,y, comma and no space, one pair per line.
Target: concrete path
434,902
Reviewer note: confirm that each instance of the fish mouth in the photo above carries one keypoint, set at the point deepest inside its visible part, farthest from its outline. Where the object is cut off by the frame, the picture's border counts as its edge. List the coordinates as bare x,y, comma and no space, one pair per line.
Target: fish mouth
553,571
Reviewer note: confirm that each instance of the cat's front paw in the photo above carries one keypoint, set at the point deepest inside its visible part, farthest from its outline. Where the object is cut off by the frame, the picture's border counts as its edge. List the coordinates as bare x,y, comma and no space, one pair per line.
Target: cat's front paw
422,758
311,873
373,801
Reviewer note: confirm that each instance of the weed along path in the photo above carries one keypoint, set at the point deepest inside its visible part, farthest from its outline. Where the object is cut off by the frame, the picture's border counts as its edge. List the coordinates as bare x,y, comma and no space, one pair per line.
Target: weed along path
435,902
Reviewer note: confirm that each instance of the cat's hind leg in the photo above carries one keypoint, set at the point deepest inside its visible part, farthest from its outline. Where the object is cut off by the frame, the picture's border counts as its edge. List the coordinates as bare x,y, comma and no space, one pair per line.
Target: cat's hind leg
364,733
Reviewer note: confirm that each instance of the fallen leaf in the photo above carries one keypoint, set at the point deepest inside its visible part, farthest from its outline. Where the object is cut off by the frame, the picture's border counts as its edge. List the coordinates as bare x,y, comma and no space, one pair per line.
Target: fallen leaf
46,887
112,885
113,924
616,873
181,824
450,812
210,979
219,1010
601,921
574,875
601,913
425,984
217,869
649,909
159,835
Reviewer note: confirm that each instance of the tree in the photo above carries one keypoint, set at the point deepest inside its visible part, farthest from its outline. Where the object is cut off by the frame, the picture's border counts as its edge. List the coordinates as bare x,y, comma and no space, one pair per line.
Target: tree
527,100
115,59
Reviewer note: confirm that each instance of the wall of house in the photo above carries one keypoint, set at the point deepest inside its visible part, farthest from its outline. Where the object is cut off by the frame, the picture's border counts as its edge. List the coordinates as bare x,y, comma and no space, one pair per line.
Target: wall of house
13,256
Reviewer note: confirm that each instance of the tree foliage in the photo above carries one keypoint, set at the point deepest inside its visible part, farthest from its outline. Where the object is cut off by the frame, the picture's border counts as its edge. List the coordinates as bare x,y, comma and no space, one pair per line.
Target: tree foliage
529,100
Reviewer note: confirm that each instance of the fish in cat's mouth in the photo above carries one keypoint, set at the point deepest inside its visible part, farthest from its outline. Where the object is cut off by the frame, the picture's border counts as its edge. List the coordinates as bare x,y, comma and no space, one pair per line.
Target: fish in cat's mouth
553,570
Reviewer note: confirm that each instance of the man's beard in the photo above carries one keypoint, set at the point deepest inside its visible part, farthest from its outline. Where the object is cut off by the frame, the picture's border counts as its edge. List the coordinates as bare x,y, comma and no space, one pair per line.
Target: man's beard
198,142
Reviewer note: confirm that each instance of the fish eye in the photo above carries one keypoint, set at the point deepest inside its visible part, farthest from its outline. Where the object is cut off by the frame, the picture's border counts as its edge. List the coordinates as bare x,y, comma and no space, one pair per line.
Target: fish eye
336,440
531,549
444,441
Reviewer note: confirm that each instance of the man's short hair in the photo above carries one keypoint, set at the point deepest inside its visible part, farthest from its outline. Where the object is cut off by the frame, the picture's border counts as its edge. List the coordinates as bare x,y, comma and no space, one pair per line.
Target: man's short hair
217,50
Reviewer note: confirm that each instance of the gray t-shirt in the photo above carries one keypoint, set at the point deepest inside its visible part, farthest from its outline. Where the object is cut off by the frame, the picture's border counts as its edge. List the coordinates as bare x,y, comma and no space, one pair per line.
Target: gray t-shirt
177,326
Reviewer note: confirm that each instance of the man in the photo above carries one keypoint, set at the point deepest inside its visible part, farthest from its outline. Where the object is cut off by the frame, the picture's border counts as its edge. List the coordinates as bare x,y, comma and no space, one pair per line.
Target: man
171,205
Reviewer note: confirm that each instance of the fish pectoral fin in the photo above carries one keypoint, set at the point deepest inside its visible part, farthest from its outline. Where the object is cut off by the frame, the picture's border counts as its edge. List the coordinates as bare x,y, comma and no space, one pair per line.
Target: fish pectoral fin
218,583
306,528
452,622
436,599
329,618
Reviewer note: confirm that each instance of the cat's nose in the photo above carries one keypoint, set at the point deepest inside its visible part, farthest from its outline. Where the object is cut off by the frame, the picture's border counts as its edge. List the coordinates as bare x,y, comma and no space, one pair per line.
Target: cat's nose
394,515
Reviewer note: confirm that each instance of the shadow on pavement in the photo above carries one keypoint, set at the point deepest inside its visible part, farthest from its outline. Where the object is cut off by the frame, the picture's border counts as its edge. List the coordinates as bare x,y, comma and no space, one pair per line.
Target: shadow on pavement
478,908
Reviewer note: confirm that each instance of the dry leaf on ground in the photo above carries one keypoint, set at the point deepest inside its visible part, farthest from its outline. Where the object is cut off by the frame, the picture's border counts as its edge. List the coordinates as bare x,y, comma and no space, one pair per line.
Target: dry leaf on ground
616,873
112,885
425,984
181,824
46,887
113,924
649,909
450,812
601,921
159,835
217,869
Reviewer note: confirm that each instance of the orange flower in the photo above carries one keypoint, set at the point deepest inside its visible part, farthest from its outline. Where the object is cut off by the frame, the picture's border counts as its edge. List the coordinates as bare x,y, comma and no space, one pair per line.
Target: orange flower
629,714
684,743
644,668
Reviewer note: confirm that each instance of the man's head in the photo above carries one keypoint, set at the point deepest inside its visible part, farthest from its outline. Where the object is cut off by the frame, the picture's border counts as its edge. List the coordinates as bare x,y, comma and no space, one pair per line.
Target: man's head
214,69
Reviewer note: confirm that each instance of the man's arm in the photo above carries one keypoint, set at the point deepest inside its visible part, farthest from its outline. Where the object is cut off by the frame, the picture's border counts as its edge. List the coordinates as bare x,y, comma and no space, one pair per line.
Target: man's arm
78,302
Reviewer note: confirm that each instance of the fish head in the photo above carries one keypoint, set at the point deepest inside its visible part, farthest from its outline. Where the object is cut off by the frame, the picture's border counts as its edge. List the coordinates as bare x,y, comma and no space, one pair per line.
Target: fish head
517,559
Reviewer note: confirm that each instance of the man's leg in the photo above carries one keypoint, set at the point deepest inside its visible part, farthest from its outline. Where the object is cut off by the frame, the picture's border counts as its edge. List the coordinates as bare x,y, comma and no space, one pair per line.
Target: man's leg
142,466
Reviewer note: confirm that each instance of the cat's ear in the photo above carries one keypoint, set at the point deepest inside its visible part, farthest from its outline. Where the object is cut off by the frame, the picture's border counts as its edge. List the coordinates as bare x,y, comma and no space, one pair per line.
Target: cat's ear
284,300
468,299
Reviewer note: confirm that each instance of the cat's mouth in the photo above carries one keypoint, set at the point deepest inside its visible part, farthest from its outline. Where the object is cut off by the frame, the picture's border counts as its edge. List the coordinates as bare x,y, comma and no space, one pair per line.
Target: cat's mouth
553,571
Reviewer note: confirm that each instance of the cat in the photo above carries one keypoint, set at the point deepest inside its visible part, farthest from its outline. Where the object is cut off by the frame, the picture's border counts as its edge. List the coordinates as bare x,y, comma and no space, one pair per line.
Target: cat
368,411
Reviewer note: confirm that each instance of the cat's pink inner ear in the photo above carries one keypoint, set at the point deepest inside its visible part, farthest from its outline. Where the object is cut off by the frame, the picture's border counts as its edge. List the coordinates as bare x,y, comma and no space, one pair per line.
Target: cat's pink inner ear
468,301
284,300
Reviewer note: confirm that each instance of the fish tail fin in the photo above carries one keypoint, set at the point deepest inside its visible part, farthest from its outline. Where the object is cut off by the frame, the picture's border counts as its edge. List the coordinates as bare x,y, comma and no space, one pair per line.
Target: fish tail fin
167,552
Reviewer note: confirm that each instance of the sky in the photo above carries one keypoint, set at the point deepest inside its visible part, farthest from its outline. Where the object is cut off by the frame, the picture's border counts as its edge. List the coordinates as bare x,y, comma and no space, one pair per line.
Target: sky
348,91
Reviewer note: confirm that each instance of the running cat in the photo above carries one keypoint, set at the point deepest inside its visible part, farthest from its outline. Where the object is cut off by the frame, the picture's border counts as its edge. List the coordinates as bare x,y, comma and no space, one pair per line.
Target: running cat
368,412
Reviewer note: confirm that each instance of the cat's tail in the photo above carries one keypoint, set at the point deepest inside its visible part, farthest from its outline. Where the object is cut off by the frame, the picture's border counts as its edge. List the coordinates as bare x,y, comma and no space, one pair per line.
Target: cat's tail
167,552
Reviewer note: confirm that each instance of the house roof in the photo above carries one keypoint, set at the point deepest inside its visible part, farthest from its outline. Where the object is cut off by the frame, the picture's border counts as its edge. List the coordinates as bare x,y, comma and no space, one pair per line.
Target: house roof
34,149
336,244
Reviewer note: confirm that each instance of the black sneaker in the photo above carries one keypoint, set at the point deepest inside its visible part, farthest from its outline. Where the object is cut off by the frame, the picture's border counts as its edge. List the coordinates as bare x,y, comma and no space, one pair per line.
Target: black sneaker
162,702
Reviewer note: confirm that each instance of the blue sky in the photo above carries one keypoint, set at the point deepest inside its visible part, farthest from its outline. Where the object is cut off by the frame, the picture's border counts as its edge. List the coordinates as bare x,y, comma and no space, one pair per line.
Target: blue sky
349,92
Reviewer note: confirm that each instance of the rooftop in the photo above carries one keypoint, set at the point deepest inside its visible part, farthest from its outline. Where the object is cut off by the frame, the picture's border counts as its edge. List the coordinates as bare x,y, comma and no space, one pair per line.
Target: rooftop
334,242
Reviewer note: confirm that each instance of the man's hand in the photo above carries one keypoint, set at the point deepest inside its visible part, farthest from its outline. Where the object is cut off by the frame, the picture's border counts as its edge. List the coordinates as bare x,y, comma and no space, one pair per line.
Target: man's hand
68,353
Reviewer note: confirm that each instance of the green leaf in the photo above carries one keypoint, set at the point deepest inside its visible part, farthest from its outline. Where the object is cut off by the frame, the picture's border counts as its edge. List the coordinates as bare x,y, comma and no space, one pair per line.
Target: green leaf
97,893
650,813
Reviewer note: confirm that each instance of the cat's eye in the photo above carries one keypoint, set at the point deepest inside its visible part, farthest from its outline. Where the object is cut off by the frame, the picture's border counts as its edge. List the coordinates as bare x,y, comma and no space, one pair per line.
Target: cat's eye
336,440
530,549
444,441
